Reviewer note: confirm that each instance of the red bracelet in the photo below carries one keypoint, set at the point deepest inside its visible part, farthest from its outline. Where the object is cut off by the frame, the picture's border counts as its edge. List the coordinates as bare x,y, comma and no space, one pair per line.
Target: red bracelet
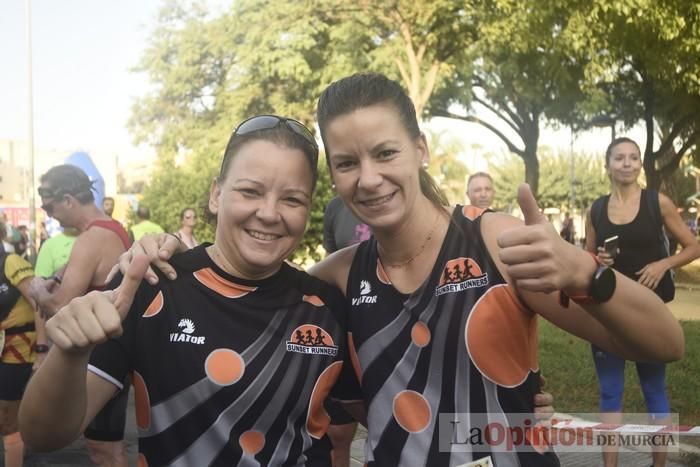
583,299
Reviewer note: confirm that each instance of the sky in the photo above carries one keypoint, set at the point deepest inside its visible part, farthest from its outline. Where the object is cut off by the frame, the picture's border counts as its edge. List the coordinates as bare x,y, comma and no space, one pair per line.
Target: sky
83,53
83,90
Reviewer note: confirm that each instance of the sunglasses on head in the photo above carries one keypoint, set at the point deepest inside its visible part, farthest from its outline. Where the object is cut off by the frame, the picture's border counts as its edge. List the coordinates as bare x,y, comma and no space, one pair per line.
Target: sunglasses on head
49,192
270,122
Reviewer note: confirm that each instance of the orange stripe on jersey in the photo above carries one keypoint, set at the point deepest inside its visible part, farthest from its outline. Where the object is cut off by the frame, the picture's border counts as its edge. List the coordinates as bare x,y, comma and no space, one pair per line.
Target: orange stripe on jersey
251,442
220,285
354,358
314,300
472,212
381,274
317,419
412,411
142,402
500,336
155,306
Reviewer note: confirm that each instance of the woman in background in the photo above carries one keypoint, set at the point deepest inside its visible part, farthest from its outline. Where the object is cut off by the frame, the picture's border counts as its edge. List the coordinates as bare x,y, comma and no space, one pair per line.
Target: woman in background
188,220
636,216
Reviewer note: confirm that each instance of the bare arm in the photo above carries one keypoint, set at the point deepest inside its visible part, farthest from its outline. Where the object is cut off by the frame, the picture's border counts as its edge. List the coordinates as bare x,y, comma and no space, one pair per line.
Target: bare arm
60,400
335,268
679,230
40,325
634,323
63,397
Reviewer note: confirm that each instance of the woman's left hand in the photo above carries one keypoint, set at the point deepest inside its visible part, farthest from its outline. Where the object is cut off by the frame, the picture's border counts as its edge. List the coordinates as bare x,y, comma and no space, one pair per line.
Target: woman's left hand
651,274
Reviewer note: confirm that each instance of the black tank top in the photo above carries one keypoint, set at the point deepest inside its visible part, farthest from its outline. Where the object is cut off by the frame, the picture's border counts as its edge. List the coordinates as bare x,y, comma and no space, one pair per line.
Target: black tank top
462,343
638,240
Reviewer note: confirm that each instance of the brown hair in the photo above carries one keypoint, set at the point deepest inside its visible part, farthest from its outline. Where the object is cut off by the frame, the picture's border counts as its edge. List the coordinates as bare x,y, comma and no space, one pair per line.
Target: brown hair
280,135
367,89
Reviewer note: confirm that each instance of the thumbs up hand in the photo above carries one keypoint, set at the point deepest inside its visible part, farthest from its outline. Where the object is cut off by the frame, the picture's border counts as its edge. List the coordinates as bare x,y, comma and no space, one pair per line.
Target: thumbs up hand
97,316
537,259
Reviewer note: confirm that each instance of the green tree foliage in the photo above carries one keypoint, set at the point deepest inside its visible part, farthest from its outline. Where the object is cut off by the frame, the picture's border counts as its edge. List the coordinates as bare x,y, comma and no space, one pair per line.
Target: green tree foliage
445,168
208,74
644,57
521,78
589,182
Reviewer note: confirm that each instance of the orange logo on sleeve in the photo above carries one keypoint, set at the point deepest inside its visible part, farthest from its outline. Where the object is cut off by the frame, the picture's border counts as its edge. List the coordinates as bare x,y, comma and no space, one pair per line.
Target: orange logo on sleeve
313,340
460,274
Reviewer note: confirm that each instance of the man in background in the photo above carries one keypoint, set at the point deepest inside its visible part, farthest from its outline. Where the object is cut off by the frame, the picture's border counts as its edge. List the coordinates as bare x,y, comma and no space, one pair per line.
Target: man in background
108,205
67,196
480,190
144,225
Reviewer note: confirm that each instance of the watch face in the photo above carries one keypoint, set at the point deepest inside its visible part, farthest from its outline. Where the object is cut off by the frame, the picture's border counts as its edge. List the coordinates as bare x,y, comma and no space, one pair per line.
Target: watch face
603,286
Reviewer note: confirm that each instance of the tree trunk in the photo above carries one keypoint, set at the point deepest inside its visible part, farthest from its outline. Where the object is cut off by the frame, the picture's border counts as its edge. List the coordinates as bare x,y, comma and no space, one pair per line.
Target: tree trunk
531,137
649,163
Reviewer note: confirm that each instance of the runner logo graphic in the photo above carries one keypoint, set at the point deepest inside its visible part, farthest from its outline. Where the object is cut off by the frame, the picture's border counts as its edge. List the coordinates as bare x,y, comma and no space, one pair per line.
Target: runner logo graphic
187,327
313,340
187,324
365,290
461,274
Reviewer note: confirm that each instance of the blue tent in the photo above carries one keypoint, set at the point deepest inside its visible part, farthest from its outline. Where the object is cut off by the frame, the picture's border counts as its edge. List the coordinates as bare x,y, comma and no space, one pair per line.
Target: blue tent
83,161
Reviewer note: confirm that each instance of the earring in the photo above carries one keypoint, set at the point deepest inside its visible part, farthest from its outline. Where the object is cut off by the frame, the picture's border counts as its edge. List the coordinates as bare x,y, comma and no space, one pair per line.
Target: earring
333,185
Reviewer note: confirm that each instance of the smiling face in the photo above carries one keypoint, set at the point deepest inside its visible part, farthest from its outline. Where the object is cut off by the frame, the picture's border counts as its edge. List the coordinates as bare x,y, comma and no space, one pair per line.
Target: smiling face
262,207
624,163
480,192
375,164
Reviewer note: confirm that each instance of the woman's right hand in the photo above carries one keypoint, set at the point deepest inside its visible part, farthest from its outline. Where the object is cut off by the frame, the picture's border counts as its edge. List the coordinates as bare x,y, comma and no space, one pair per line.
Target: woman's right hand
93,318
604,257
158,248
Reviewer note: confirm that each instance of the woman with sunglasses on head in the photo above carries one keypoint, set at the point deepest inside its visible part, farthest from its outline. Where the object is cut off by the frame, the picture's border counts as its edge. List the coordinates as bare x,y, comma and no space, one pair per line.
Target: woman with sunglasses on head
443,304
232,361
188,219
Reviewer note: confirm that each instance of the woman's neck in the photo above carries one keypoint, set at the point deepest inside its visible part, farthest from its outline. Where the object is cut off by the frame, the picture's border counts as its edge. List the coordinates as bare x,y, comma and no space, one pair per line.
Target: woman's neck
625,192
416,238
186,229
222,261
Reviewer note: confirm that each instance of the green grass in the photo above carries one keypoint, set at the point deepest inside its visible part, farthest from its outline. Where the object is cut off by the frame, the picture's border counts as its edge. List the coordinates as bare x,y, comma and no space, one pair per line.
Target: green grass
689,274
567,364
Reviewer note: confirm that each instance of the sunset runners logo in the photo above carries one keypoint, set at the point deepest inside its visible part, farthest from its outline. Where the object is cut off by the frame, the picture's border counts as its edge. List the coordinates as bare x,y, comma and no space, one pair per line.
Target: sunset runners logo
461,274
312,340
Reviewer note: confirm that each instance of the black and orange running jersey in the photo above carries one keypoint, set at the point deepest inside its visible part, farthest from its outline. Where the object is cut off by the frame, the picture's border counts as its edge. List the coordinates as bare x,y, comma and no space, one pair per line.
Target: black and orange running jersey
228,371
463,344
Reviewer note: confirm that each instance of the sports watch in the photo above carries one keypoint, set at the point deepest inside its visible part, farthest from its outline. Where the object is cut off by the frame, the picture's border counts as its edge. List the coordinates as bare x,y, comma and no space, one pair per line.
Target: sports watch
602,288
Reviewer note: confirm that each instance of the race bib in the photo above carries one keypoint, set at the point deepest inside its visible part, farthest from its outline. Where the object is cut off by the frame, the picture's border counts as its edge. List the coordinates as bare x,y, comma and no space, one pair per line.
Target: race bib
483,462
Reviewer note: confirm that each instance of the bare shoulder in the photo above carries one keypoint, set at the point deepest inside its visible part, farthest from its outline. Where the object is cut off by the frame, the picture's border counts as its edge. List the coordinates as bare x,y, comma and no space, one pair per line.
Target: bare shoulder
666,204
335,268
492,223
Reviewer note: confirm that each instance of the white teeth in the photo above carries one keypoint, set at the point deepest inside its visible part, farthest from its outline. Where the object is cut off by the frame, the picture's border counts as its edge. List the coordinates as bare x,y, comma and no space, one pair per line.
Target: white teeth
262,236
374,202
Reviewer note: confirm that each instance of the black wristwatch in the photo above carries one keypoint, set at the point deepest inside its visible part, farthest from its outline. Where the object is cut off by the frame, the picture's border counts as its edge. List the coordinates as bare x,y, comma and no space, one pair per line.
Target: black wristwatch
41,348
601,290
